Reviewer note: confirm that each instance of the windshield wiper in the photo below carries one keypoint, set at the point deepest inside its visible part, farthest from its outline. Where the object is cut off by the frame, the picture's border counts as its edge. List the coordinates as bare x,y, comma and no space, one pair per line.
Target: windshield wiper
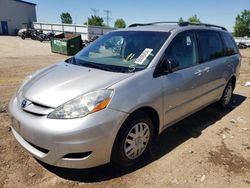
94,65
78,62
73,60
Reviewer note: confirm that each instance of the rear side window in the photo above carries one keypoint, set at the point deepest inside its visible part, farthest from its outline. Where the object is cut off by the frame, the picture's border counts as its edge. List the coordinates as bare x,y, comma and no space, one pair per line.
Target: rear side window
210,45
230,46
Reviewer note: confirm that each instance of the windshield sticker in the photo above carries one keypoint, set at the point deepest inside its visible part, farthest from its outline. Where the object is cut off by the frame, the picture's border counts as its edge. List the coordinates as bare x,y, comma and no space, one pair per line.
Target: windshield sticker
143,56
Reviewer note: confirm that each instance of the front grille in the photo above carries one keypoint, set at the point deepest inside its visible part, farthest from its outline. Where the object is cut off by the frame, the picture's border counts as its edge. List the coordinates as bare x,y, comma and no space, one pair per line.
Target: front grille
36,109
40,105
33,113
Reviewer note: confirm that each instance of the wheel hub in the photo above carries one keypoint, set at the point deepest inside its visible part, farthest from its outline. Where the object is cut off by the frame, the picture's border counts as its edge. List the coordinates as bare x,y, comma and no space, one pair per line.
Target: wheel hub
138,141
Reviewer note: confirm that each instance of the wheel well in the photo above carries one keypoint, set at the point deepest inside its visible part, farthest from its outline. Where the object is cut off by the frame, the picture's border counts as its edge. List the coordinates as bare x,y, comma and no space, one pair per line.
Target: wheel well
152,113
233,79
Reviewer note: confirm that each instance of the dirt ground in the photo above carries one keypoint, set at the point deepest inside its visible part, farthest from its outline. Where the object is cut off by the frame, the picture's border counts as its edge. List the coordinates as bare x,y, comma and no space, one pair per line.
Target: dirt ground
209,149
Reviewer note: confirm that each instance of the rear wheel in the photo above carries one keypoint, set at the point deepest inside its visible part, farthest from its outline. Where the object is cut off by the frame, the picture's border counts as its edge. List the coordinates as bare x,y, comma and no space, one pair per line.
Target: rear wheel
133,140
227,96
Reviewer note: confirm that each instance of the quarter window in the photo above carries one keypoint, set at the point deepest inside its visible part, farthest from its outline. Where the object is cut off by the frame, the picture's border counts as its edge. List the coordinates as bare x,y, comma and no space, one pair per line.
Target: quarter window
183,50
210,45
230,46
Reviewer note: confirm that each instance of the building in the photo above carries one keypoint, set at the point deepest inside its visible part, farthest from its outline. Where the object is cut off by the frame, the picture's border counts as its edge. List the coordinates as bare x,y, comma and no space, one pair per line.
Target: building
14,13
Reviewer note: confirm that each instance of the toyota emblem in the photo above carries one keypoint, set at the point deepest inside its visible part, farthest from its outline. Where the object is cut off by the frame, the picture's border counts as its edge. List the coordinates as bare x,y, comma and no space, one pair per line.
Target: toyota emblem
25,103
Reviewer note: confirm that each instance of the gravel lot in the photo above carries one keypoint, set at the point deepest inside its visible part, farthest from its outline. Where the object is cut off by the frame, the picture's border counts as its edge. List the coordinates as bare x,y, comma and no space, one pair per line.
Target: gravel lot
209,149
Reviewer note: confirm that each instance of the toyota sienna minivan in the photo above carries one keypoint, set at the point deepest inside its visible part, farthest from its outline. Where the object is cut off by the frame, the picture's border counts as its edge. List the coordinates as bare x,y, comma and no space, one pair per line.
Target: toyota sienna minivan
109,101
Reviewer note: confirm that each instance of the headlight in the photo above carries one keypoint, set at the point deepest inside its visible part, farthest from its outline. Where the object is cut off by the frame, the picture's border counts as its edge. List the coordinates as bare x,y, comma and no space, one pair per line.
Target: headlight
83,105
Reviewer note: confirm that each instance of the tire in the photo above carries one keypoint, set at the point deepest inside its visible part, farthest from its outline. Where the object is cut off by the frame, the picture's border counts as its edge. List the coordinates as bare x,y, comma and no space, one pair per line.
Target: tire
226,97
121,154
23,37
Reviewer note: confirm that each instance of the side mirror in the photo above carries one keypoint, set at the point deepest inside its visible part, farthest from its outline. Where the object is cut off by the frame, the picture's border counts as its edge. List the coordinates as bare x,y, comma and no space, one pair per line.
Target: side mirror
168,65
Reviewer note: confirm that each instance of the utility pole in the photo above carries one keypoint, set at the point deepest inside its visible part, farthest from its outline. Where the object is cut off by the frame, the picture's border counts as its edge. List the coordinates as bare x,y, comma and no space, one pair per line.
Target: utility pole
108,18
95,11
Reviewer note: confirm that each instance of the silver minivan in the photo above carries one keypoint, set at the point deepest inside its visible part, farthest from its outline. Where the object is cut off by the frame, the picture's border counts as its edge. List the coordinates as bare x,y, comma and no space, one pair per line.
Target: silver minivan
109,101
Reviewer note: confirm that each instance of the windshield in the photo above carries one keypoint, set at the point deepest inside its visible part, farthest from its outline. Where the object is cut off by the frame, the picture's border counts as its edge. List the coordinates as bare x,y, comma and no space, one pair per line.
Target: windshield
121,51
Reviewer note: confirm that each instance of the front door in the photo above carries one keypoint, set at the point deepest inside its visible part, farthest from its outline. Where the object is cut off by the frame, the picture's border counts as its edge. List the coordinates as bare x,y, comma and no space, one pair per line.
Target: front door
4,25
184,86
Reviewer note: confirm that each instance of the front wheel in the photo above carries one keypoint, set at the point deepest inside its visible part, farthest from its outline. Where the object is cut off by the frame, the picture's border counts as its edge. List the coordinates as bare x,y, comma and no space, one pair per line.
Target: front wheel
133,140
227,96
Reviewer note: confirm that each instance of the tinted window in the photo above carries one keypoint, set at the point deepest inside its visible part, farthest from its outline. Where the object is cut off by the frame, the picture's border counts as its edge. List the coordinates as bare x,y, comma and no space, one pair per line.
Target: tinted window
183,50
210,45
230,46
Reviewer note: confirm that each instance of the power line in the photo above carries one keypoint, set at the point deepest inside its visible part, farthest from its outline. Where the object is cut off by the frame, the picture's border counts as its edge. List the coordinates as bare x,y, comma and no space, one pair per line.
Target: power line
108,18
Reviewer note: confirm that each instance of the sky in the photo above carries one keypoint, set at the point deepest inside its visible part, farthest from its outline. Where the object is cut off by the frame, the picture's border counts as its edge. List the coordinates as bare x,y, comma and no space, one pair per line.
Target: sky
220,12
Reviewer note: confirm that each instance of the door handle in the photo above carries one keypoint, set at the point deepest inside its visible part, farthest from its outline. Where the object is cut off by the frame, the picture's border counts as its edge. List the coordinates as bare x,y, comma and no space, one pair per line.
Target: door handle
198,72
207,69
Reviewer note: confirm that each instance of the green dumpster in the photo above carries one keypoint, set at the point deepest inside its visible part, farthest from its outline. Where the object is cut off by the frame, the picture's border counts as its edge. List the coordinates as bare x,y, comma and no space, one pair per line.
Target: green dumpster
65,43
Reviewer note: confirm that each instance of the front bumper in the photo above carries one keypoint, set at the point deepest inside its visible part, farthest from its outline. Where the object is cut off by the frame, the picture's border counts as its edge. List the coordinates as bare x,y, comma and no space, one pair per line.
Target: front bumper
50,140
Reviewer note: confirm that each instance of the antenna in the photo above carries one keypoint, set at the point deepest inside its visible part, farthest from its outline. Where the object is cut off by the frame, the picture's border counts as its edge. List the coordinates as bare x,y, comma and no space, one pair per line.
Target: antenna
108,18
95,11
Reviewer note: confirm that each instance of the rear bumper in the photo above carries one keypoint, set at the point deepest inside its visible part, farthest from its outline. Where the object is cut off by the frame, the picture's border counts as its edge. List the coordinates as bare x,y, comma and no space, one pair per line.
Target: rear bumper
50,140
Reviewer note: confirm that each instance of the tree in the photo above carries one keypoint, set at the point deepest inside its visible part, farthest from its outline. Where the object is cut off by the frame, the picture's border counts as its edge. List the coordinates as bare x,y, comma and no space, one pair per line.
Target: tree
194,19
181,20
95,20
66,18
120,23
242,24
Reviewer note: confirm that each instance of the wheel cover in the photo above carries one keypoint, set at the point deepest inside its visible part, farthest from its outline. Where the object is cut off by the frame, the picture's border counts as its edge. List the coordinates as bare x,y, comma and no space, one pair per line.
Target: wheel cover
228,94
137,140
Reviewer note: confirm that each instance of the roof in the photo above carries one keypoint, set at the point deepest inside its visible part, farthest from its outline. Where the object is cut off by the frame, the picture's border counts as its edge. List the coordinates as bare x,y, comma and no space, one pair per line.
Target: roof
172,27
20,1
160,28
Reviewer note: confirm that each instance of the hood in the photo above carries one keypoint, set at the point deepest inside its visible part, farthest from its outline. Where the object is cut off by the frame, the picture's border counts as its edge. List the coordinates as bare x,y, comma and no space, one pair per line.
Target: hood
63,82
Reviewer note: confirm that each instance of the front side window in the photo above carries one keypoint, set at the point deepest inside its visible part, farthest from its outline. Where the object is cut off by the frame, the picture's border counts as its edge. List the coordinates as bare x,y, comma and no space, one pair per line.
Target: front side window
230,46
210,45
122,51
183,50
